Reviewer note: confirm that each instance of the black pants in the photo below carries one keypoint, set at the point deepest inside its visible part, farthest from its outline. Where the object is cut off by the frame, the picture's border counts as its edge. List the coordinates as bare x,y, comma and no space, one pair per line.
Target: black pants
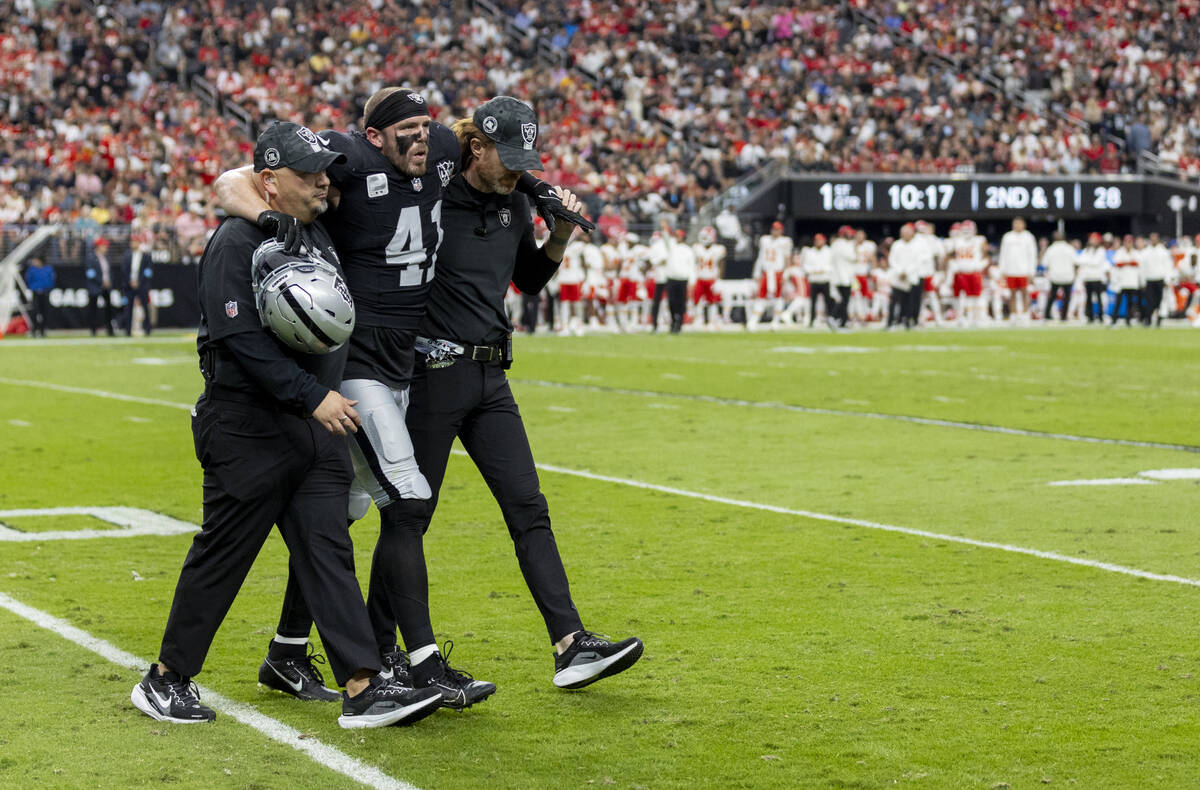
38,307
1094,305
660,290
1152,300
897,307
822,290
676,302
470,400
1053,294
550,310
264,467
912,303
1131,298
842,309
142,297
529,311
94,309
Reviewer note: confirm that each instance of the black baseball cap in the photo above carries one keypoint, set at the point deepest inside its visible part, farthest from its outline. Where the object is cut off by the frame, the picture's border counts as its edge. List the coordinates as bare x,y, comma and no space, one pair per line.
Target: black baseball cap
287,144
512,125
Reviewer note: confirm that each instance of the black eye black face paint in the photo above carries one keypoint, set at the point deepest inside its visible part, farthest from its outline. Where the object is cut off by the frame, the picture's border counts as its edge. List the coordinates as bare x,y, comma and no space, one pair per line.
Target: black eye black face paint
405,142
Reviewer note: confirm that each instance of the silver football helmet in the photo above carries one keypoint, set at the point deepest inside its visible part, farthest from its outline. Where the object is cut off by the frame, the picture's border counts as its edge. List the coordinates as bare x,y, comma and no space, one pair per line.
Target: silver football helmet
301,298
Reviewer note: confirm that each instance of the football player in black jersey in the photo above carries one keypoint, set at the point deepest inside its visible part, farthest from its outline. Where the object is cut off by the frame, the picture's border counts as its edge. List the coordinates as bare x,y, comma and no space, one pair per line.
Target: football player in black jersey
385,220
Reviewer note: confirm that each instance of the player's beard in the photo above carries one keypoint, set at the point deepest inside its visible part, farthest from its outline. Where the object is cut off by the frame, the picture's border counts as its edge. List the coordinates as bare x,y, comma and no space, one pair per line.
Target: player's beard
402,161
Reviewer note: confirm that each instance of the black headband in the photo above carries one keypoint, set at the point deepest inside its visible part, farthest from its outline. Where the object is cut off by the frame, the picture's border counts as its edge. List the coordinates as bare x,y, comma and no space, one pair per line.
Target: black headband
397,107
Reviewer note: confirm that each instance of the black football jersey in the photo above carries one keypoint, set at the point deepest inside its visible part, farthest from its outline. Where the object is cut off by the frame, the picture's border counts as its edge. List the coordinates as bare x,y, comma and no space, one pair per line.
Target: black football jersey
387,227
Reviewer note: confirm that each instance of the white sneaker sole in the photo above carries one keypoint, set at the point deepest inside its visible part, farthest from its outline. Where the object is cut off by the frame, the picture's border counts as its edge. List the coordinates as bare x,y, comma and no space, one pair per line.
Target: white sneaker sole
138,698
574,677
400,715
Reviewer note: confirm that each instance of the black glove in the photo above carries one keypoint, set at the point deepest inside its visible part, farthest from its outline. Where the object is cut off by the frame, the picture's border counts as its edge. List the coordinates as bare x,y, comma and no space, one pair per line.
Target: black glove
285,227
549,206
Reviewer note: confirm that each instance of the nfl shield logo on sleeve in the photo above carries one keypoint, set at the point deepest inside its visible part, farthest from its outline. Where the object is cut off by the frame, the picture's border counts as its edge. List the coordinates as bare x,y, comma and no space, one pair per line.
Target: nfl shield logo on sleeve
231,309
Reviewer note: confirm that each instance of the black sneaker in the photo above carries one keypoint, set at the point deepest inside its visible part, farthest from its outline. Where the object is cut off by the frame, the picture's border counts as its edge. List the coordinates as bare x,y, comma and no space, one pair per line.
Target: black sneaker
395,665
170,697
298,676
385,702
592,657
458,689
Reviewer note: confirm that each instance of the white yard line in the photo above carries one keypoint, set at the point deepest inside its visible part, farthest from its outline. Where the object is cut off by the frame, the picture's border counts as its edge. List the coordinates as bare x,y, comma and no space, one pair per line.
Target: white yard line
867,415
857,522
97,393
321,753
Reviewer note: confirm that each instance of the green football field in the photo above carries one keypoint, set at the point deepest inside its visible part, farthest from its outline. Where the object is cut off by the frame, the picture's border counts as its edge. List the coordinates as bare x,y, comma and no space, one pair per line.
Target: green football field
844,553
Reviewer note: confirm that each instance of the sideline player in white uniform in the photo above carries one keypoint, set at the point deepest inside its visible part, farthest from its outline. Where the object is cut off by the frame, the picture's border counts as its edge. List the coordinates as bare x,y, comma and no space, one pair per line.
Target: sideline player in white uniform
1126,279
595,286
570,277
862,307
710,267
968,260
774,254
626,309
844,259
1018,260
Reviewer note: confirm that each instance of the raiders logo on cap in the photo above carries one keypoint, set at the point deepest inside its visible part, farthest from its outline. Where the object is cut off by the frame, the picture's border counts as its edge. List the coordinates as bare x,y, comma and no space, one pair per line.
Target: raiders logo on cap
416,98
528,135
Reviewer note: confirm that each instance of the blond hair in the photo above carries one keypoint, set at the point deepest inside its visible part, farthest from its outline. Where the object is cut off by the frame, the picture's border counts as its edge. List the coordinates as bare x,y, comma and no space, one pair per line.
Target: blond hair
466,131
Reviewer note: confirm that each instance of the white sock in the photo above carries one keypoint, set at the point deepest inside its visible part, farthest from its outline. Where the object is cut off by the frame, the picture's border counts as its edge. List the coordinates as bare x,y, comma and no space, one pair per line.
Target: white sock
291,640
421,653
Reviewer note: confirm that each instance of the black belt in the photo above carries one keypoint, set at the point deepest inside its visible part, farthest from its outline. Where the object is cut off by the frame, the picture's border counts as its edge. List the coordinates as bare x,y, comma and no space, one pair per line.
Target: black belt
434,347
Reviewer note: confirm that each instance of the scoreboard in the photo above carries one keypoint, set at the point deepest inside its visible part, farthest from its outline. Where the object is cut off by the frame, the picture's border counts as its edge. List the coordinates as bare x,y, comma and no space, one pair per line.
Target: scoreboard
957,197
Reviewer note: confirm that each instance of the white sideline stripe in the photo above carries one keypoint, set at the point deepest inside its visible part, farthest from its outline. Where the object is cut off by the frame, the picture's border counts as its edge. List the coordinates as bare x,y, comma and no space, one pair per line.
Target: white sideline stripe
274,729
857,522
98,393
969,426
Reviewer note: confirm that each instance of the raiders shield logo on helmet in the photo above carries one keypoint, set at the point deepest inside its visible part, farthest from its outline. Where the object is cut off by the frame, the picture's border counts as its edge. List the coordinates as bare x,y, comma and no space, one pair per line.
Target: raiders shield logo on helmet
505,217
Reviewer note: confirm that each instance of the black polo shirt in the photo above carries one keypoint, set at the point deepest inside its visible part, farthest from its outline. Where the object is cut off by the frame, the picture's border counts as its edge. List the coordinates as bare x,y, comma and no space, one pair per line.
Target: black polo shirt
488,244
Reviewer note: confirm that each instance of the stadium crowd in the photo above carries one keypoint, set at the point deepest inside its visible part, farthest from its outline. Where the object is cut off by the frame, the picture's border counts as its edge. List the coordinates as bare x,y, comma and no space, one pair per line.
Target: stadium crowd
652,109
851,281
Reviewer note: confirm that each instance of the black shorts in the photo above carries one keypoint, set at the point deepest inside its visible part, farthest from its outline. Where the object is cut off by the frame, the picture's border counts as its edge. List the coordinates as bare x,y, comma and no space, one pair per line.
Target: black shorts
381,354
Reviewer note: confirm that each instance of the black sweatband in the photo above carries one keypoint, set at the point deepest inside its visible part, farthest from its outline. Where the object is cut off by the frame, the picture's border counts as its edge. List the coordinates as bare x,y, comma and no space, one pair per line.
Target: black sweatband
397,107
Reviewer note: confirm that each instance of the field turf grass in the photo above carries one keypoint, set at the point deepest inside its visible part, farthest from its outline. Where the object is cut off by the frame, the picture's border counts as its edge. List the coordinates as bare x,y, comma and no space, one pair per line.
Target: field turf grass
783,650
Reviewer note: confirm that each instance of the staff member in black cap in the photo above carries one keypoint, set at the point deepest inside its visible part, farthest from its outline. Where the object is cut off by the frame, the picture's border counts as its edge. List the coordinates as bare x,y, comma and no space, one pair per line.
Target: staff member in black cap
267,434
460,388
